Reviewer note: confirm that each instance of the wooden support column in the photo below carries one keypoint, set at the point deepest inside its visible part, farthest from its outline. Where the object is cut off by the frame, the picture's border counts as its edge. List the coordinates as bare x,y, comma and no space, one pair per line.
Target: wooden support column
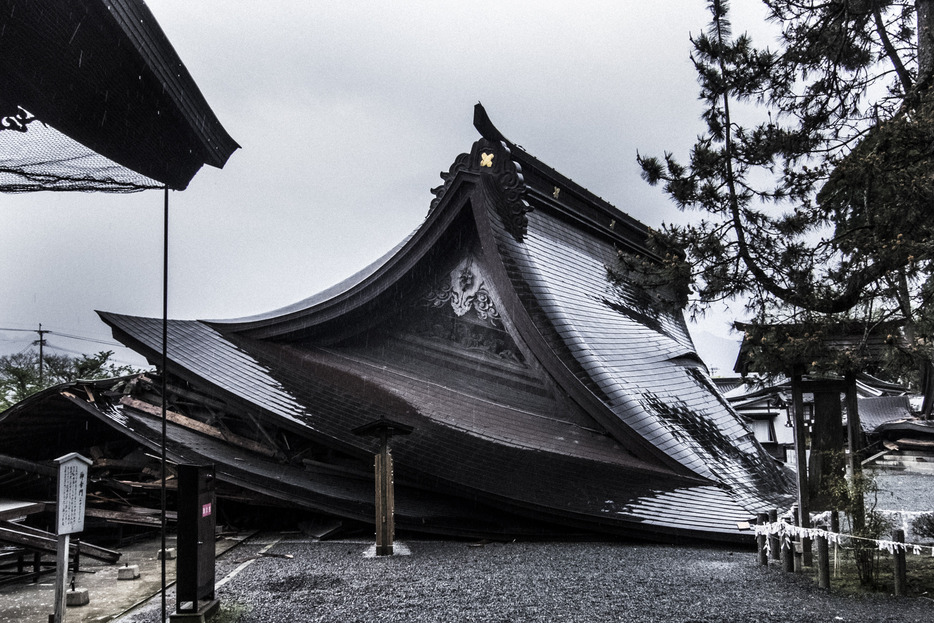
61,578
804,497
385,506
383,429
855,440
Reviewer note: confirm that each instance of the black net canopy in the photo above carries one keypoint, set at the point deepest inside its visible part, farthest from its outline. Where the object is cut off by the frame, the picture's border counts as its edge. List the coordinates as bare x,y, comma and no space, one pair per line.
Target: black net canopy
94,97
36,156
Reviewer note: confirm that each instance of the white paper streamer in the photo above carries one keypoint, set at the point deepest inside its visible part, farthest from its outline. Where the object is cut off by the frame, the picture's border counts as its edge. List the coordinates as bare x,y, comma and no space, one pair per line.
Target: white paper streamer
786,532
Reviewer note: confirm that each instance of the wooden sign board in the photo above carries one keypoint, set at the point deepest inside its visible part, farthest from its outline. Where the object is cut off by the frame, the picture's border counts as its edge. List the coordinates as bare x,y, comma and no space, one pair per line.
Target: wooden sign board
72,492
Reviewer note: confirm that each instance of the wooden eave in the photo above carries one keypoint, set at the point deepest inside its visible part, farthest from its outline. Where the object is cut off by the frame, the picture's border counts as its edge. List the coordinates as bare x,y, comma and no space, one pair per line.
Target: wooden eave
105,74
184,373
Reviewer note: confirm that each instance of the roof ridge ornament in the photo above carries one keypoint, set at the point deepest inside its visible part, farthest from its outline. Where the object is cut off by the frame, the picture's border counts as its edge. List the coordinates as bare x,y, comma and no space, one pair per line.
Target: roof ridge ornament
483,124
503,185
461,163
500,179
500,176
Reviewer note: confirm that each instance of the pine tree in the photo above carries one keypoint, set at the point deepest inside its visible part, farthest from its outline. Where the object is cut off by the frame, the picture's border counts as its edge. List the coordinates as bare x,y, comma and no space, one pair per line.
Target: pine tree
817,212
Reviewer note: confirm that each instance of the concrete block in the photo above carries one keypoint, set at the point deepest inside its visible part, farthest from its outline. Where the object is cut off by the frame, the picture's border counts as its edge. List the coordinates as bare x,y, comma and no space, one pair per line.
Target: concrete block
168,554
77,597
128,572
205,612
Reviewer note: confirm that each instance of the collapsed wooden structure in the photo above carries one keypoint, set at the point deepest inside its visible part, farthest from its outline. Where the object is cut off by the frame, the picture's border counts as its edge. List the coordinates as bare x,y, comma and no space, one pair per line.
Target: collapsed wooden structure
544,397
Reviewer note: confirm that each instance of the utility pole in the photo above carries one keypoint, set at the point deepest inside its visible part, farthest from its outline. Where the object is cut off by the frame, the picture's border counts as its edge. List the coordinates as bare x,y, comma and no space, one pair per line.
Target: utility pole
41,343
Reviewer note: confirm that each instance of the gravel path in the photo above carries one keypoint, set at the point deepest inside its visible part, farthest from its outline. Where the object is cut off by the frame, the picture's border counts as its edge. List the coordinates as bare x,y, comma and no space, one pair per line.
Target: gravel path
524,582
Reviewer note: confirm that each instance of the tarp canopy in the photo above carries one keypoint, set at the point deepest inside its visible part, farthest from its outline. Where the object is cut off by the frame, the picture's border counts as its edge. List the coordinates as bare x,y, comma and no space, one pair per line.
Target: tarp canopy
94,97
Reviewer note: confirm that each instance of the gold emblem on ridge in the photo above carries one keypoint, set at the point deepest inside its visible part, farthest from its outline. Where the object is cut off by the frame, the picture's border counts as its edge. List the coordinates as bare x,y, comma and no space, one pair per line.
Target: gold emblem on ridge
486,160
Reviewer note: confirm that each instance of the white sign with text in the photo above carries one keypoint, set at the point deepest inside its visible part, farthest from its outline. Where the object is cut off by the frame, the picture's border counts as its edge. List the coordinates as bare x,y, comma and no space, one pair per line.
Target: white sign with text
72,492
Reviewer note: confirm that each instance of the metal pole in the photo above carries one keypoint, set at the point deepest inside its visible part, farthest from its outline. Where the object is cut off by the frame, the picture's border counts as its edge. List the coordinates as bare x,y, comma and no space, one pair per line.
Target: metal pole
165,341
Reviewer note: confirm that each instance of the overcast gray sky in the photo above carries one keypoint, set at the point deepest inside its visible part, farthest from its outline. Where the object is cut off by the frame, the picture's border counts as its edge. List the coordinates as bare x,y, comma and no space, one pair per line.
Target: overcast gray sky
346,113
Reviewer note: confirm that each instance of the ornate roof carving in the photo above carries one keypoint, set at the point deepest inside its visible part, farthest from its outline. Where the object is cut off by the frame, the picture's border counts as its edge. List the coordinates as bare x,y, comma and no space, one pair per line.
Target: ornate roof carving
501,181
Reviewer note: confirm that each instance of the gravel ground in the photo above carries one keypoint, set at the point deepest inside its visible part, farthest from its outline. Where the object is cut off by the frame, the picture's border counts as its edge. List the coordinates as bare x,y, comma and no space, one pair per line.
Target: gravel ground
904,491
449,581
518,582
902,496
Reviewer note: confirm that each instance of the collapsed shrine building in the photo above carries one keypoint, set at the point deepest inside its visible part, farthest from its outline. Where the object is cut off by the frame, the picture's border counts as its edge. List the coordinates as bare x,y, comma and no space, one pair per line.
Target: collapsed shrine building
544,396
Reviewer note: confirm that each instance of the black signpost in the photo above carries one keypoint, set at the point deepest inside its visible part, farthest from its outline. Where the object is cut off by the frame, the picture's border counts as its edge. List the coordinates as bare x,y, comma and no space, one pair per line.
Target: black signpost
194,570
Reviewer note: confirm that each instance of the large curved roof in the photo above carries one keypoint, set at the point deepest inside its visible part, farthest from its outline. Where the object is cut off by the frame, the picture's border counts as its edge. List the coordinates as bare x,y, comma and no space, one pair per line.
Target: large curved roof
534,380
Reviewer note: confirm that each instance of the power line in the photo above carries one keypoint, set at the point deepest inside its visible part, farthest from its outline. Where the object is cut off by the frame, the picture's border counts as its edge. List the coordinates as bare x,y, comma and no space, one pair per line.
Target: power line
67,335
15,339
64,350
86,339
43,342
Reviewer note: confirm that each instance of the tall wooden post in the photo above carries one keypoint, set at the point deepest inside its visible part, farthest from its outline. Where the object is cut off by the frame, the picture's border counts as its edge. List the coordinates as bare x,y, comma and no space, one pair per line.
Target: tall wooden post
385,506
901,576
855,439
823,563
385,495
61,578
763,557
801,463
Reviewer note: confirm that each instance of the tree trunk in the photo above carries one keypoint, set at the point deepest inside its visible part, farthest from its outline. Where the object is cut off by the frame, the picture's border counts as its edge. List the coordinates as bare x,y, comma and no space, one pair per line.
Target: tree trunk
826,468
925,10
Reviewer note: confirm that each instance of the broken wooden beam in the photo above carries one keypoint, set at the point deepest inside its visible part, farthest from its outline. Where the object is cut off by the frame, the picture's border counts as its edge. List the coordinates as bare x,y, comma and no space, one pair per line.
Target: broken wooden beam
134,516
12,509
198,426
27,466
33,538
